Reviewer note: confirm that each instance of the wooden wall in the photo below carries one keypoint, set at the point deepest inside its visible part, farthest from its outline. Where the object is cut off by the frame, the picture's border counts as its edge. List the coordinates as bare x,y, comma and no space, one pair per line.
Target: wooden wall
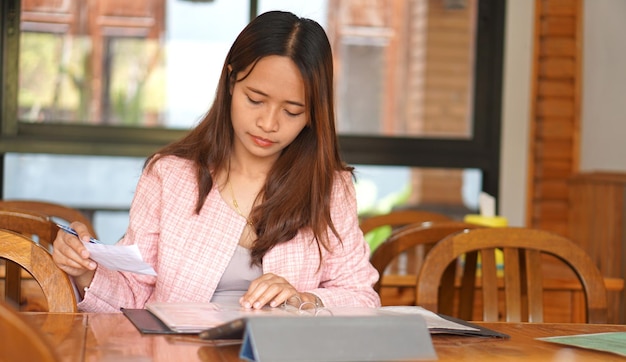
597,222
554,139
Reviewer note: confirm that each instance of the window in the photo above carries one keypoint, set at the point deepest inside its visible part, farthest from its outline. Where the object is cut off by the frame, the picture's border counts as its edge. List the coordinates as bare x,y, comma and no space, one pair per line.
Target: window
418,81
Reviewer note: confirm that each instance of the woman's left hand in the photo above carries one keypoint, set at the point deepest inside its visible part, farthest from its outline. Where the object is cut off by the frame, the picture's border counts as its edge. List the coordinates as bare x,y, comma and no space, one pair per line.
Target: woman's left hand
270,289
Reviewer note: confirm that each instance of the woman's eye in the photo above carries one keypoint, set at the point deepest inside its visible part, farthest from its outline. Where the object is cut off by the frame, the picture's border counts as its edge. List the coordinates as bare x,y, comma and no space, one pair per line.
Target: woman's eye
253,101
291,114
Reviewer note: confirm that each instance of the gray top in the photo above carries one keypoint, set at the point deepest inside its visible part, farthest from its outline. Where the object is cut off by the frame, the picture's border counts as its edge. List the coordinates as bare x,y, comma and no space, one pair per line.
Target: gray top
236,278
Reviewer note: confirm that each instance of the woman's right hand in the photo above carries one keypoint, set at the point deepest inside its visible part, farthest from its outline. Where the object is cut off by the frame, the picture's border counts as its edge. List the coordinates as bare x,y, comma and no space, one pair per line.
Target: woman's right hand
72,257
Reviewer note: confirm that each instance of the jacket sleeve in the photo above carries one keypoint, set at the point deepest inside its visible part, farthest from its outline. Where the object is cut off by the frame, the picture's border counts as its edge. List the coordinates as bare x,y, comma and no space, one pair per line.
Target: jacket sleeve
348,276
110,290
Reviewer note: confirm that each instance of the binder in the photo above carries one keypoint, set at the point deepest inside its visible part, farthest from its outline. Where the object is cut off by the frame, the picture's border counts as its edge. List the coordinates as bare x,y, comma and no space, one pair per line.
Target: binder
228,324
146,322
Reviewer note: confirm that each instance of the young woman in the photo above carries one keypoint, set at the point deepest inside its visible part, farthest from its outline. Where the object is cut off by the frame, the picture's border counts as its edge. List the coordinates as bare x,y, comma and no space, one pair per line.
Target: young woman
254,206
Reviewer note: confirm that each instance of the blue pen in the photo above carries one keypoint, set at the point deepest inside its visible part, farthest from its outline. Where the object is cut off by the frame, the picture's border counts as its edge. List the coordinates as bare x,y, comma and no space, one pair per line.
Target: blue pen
69,230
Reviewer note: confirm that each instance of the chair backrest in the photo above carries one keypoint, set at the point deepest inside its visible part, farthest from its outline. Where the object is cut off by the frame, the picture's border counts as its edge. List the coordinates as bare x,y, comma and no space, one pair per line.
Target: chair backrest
55,284
33,224
53,210
410,236
20,340
378,228
397,218
37,227
426,235
521,250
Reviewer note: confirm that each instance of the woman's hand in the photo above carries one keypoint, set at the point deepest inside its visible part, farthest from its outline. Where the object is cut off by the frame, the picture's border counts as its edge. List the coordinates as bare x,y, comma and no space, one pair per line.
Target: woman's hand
273,290
72,257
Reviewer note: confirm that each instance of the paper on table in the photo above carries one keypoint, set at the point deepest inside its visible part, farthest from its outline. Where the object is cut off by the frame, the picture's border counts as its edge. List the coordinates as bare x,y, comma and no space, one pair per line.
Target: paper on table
614,342
433,320
119,257
194,317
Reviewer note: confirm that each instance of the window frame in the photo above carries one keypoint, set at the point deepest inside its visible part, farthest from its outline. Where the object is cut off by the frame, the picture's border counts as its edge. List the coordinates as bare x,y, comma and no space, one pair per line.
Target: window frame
481,151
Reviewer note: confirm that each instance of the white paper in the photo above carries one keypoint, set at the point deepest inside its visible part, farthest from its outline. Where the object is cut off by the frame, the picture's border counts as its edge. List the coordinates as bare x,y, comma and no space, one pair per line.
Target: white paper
194,317
487,205
119,257
433,320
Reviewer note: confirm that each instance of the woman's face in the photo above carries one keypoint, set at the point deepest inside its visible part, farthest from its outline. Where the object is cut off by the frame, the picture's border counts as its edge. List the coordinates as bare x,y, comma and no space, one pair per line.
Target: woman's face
268,107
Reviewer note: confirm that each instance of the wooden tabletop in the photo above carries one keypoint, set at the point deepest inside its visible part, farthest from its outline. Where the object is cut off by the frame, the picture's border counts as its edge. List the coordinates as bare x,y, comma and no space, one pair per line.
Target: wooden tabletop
111,337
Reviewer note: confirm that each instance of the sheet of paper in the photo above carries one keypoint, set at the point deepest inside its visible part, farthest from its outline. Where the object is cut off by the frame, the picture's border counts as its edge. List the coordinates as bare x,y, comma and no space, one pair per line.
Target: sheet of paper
195,317
119,257
614,342
433,320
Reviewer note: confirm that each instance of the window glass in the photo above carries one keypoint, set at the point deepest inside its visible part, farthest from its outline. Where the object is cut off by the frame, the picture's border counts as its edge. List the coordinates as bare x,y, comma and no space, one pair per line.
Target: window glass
101,187
403,68
381,189
123,63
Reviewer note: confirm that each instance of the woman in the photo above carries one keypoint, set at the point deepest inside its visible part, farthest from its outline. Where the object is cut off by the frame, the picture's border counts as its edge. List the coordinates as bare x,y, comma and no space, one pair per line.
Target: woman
254,206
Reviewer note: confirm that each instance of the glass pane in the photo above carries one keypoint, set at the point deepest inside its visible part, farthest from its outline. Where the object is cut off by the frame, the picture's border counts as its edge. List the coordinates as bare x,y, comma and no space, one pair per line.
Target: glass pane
381,189
101,187
403,68
116,62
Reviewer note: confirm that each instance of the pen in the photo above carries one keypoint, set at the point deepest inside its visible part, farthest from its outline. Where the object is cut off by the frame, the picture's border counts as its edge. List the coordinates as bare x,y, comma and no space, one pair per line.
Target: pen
69,230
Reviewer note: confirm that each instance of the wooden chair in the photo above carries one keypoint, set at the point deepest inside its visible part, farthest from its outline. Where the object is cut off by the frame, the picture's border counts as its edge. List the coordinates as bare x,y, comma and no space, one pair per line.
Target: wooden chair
522,250
20,340
33,224
399,218
425,236
37,227
394,220
53,210
55,284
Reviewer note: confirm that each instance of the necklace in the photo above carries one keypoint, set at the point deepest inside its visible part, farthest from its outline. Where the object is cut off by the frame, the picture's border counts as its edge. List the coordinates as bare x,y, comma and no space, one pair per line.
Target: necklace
236,204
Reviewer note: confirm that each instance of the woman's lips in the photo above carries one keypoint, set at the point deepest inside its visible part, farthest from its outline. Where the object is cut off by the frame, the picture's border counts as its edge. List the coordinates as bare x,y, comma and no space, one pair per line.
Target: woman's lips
262,142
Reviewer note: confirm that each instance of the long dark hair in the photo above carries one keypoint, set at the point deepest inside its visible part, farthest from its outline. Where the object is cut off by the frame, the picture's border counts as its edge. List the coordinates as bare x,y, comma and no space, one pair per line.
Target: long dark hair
298,188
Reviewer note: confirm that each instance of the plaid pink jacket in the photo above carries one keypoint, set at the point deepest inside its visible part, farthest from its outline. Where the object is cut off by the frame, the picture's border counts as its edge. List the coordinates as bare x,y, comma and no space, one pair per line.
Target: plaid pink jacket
190,252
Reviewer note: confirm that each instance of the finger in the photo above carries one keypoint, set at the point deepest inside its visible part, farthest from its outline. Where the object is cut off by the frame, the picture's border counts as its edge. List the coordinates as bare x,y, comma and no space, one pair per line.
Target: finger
73,264
288,295
251,298
69,251
82,231
267,289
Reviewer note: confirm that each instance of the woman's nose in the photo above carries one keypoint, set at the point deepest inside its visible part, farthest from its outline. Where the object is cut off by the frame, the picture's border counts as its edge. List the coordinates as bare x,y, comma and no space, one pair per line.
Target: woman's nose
268,121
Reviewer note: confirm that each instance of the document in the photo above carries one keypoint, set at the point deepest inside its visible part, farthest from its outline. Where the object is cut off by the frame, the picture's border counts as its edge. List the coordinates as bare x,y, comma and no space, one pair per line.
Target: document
119,257
434,321
197,317
614,342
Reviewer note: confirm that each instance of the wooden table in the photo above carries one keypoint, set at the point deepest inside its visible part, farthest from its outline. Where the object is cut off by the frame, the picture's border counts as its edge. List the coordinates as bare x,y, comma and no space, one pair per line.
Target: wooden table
111,337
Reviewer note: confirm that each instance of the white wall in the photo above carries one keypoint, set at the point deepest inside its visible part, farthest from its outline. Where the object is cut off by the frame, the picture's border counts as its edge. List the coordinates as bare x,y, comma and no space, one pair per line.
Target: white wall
516,104
603,120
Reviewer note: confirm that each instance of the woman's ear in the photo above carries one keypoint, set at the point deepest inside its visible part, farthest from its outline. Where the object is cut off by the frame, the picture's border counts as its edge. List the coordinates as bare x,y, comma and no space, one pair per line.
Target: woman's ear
231,79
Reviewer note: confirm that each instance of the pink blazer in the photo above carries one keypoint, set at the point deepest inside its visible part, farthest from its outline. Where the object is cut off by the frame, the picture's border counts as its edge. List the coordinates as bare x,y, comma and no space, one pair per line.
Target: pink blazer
190,252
